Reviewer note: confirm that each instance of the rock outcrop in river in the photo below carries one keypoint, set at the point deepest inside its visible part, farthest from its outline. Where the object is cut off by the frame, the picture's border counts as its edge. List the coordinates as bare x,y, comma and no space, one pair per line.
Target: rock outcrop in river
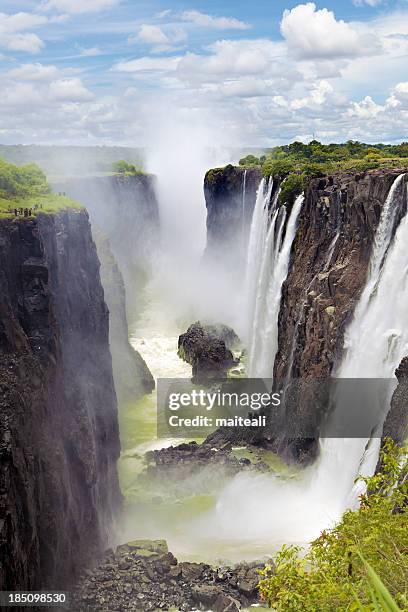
59,439
207,349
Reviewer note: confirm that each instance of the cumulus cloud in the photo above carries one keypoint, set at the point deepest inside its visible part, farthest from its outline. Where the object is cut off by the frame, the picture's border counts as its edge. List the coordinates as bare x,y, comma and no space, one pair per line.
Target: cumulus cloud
231,58
33,72
366,109
317,96
28,42
72,90
79,6
13,35
160,40
312,33
152,35
208,21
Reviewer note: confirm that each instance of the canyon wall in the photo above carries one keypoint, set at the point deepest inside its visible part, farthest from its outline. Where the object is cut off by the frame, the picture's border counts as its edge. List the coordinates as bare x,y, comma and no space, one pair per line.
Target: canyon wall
131,375
125,209
327,273
230,195
59,439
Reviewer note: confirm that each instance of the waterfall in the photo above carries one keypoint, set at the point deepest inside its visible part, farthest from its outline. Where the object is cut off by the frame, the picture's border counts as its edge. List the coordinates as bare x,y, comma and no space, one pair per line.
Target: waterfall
272,274
257,236
375,342
243,205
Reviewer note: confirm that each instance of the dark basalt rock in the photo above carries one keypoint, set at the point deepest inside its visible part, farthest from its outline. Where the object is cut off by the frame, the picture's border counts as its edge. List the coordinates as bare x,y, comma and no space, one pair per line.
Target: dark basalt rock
131,375
59,438
396,423
126,210
327,273
143,575
205,348
325,280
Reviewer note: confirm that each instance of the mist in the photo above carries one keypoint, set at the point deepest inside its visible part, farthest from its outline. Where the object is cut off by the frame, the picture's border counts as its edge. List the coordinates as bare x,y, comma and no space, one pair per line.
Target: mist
179,155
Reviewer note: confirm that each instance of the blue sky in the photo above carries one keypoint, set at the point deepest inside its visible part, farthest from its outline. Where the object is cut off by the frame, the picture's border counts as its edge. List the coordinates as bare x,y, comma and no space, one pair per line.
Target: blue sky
248,73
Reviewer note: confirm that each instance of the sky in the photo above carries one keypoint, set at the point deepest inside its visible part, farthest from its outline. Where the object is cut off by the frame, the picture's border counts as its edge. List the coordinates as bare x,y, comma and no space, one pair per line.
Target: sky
260,73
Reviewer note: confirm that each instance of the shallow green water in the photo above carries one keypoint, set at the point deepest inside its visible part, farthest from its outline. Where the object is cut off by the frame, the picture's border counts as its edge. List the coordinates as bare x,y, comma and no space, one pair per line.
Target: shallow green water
174,508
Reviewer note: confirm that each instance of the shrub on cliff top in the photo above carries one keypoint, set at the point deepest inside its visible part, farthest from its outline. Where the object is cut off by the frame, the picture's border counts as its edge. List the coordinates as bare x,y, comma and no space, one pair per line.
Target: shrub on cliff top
292,186
21,182
124,167
334,574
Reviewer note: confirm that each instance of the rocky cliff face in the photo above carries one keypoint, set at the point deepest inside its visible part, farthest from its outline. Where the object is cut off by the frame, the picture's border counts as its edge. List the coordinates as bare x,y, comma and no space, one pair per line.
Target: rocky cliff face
230,195
328,269
327,273
131,375
59,439
125,208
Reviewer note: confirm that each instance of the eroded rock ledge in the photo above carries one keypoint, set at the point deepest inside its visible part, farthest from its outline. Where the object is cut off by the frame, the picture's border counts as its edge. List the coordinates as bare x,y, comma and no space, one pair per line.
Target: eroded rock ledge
144,575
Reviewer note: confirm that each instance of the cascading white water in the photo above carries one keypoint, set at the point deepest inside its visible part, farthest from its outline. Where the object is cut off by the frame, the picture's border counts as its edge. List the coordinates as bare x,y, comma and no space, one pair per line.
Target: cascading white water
375,343
244,180
257,237
273,272
298,510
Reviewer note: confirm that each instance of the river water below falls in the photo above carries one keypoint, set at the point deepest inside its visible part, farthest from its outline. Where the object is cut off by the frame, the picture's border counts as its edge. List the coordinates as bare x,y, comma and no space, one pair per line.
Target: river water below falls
185,511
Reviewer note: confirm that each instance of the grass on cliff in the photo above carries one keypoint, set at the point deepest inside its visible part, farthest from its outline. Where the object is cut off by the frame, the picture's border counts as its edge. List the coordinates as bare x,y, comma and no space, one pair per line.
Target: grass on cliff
359,564
26,187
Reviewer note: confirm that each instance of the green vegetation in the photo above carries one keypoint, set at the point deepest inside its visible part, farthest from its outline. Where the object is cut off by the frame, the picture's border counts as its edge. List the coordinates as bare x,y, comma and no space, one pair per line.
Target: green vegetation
316,159
61,161
362,563
124,167
26,187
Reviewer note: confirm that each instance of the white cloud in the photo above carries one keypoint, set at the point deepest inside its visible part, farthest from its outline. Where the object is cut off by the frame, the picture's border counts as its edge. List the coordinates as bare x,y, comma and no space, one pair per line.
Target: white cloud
13,35
91,52
312,33
20,22
164,64
70,90
229,58
366,109
152,35
208,21
79,6
317,97
34,72
28,42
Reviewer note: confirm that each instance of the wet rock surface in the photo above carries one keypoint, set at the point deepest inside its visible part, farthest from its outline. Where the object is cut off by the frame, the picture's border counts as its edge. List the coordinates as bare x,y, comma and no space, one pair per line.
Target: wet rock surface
131,375
396,423
143,575
205,347
59,435
328,271
186,457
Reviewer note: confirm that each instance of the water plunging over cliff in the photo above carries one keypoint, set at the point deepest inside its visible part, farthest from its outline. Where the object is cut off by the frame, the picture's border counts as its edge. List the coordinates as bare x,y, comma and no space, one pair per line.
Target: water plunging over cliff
270,273
375,342
297,509
243,205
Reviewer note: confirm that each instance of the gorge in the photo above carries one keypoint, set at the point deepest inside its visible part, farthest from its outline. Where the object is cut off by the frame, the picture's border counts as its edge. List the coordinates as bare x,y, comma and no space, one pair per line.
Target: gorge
314,286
